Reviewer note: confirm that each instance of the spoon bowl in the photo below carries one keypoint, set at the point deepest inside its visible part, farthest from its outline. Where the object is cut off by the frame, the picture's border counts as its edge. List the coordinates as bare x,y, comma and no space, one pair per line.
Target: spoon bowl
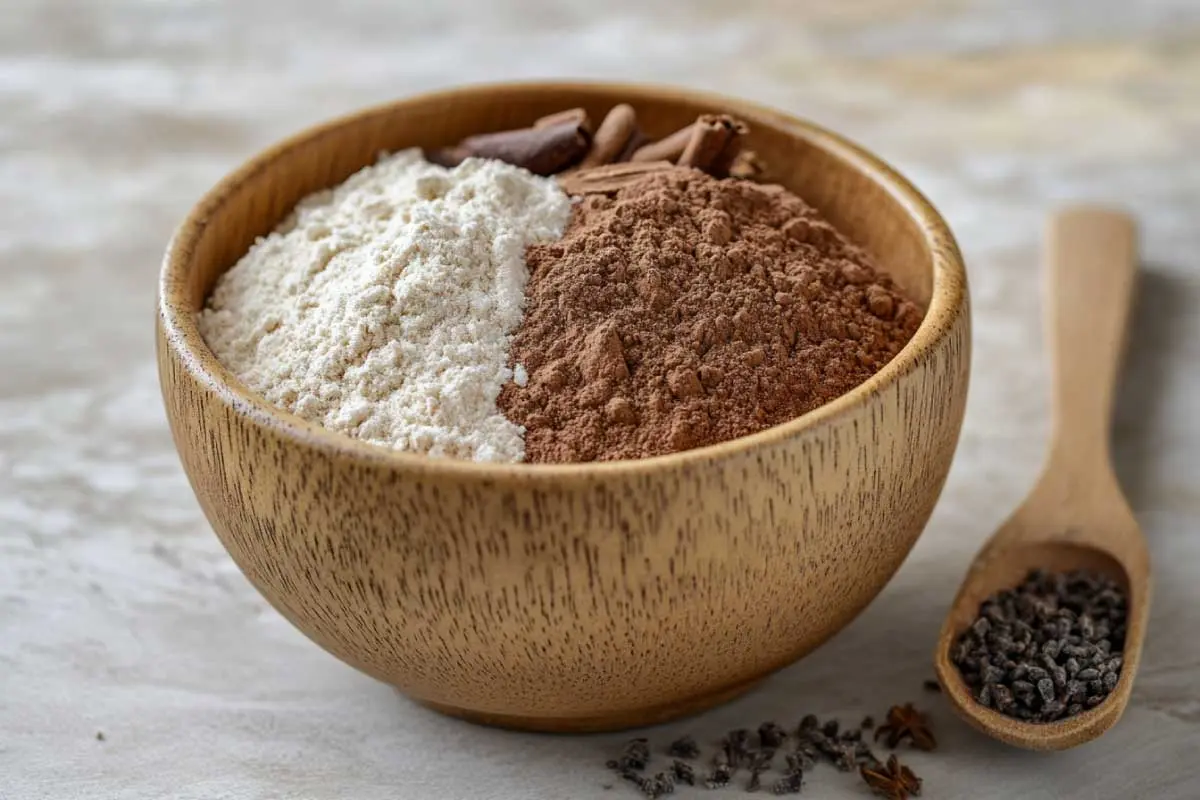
1076,517
1026,542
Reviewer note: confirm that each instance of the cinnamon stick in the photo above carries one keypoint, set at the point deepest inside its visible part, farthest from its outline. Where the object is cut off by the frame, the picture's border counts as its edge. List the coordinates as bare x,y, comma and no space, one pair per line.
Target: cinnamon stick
609,178
668,149
556,142
709,137
542,151
723,163
578,116
614,133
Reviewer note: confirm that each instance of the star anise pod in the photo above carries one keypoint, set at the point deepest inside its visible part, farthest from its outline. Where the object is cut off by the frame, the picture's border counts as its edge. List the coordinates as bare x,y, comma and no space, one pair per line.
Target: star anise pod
893,780
905,722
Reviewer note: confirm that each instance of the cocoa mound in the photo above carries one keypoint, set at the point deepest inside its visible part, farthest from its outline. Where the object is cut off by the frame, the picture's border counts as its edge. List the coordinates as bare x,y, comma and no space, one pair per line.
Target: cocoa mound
685,310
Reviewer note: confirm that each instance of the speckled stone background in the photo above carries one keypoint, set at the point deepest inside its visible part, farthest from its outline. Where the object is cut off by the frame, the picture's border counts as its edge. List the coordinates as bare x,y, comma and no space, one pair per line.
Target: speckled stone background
119,611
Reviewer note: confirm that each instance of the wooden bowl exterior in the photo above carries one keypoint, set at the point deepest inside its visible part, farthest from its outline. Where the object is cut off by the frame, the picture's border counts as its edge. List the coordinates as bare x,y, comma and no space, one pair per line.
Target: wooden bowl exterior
585,596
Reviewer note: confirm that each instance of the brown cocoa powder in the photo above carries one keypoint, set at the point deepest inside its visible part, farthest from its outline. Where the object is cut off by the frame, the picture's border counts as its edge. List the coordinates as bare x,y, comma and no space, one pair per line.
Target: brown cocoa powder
683,310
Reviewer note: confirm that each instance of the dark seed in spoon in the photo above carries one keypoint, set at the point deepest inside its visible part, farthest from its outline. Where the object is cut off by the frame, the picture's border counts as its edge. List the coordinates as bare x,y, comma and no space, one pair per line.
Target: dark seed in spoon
1042,651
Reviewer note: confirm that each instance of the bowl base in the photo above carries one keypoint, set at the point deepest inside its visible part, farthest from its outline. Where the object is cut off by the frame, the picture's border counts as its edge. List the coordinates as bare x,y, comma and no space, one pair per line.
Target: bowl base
600,723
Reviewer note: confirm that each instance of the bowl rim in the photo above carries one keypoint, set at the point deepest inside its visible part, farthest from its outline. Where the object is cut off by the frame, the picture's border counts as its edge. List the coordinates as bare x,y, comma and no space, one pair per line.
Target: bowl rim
179,330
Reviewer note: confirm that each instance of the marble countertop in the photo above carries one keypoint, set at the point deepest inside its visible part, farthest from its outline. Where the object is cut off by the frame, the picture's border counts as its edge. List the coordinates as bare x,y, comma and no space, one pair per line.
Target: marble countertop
122,617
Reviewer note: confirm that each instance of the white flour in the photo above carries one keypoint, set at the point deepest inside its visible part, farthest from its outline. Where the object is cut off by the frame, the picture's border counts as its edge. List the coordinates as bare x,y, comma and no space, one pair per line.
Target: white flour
384,308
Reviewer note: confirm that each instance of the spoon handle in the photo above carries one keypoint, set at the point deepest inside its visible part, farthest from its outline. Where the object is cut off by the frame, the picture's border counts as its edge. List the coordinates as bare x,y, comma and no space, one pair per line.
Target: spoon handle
1092,263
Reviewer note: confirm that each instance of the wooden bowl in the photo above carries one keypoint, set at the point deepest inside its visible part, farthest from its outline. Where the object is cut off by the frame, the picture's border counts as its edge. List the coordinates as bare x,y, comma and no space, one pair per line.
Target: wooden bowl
580,596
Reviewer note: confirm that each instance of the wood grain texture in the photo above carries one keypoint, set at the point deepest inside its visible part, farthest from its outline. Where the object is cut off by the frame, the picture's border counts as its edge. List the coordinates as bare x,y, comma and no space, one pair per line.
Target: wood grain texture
1076,517
572,597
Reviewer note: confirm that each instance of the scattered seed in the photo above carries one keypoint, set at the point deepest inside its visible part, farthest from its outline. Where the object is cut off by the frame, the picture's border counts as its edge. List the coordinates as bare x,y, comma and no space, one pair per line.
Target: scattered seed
789,783
683,772
657,786
771,735
684,747
635,756
737,747
760,762
740,749
719,777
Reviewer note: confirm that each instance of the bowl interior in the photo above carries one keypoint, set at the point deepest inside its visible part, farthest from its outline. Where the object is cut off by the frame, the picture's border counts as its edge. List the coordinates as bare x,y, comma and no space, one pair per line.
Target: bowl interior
840,181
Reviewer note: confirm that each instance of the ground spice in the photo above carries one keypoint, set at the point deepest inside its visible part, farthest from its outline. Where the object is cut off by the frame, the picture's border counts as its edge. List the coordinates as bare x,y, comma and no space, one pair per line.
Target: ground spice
683,310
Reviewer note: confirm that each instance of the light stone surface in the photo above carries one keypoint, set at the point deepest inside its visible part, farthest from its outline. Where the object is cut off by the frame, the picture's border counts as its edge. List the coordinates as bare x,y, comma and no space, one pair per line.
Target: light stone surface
119,611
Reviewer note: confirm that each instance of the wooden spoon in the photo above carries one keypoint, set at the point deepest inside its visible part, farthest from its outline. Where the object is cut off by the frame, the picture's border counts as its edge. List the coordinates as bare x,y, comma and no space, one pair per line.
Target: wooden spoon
1076,516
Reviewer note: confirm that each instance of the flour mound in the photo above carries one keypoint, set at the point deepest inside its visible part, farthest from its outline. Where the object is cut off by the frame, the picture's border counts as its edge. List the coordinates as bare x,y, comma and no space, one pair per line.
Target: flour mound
384,308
